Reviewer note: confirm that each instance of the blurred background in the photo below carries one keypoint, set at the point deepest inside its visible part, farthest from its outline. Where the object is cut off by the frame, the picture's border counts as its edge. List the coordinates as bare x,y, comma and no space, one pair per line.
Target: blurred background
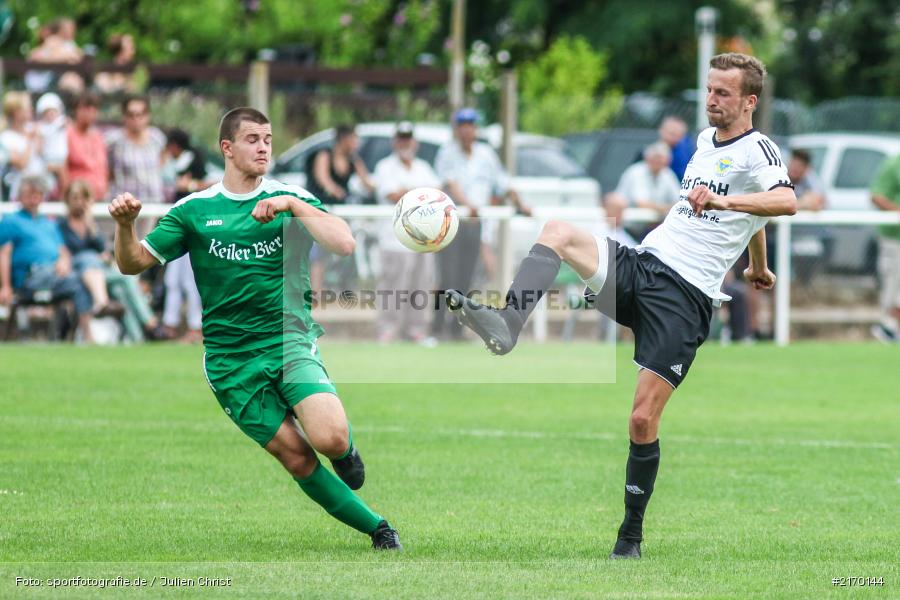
568,95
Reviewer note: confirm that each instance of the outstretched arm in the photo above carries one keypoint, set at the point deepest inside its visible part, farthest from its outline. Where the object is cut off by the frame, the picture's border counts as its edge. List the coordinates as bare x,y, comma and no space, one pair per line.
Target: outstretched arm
330,231
131,257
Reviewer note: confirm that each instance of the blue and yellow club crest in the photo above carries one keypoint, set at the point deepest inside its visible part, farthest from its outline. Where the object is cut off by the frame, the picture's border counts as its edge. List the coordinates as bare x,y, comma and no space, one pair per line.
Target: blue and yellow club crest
724,165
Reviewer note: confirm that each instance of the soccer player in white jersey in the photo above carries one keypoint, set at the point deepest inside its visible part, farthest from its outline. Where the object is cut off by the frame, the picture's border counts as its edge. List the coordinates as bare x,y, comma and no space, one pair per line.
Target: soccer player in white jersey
664,289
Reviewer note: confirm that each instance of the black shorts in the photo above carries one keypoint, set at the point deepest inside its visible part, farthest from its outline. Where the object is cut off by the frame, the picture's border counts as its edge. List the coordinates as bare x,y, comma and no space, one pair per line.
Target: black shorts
669,317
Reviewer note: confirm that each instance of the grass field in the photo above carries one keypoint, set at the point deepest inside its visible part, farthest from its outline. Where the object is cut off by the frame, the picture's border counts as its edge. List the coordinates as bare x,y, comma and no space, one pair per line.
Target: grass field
780,471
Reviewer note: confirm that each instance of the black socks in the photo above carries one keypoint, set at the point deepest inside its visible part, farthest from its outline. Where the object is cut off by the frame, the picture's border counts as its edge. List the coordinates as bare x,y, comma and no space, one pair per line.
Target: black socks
535,276
640,475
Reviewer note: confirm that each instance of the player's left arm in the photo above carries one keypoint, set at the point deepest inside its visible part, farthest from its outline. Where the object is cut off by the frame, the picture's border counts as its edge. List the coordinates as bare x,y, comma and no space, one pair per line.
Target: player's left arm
758,273
329,230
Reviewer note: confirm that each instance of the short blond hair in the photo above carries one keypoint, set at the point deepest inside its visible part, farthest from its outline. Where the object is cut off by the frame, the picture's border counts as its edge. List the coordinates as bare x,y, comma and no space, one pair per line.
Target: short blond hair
752,69
14,101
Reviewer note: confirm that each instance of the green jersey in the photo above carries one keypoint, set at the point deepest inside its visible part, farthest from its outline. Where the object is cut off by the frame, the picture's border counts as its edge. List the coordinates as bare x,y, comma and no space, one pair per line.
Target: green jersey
887,184
252,277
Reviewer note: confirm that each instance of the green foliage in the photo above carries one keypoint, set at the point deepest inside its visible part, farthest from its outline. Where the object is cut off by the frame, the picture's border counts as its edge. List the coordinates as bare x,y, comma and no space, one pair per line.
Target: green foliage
839,49
558,88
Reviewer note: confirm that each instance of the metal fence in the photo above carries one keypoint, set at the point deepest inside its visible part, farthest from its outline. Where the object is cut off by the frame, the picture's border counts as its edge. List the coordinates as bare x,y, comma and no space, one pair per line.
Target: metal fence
826,303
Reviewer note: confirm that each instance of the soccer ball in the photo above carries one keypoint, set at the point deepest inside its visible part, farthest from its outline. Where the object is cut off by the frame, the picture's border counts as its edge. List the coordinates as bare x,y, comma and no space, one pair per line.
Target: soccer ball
425,220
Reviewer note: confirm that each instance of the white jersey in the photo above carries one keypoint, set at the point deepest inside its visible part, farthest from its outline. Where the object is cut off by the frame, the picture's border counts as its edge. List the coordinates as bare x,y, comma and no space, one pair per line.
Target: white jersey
702,249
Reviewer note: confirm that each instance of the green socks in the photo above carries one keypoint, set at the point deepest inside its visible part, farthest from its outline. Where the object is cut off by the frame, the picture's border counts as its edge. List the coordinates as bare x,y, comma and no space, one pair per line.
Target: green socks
338,500
349,443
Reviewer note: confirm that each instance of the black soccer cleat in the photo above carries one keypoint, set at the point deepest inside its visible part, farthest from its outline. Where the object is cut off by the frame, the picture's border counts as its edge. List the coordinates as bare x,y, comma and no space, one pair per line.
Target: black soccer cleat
487,322
386,537
625,549
350,469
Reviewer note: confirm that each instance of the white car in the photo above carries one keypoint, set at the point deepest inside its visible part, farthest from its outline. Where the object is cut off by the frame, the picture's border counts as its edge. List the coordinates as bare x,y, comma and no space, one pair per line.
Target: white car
847,164
545,174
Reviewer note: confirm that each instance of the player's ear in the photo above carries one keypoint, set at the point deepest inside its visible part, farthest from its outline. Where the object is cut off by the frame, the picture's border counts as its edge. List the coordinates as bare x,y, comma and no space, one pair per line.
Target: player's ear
752,101
225,147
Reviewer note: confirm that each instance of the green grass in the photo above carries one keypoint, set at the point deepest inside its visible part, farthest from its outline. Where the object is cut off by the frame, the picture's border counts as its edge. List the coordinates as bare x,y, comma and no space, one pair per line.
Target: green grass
779,471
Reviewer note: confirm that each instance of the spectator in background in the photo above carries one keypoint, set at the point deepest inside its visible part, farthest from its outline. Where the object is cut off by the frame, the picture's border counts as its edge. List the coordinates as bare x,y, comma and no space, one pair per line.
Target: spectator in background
135,153
472,174
33,258
21,142
121,46
54,46
807,186
649,183
189,167
402,270
886,196
87,154
51,126
612,226
86,247
673,131
91,261
328,174
331,169
187,164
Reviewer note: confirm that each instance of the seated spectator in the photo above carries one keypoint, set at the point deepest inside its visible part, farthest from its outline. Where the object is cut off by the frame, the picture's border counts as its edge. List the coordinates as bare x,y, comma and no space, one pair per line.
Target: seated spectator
33,258
650,183
87,155
91,261
54,46
51,126
135,153
21,142
121,46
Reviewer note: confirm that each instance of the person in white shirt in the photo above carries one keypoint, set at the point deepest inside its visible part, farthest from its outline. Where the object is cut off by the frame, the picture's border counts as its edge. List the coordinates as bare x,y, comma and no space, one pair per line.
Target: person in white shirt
664,289
473,176
51,126
650,183
407,275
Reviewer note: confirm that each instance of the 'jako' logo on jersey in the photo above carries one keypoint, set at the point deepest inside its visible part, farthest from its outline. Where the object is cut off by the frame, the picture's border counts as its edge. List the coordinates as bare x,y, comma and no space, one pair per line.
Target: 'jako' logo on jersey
213,222
724,165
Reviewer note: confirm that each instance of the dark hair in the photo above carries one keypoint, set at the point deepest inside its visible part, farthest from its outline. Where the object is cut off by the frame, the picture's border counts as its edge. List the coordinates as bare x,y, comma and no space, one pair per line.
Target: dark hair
115,43
753,70
232,120
801,155
342,131
86,98
179,137
135,98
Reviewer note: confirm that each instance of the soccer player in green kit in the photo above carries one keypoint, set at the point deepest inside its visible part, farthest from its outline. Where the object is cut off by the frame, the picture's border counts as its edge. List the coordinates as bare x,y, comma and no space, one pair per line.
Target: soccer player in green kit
261,360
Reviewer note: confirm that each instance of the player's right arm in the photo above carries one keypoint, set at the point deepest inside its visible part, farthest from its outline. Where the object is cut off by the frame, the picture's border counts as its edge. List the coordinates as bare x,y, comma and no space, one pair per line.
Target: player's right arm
131,257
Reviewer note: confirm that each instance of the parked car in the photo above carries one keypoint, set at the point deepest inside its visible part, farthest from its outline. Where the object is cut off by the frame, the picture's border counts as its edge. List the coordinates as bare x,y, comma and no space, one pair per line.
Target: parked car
606,154
847,164
546,175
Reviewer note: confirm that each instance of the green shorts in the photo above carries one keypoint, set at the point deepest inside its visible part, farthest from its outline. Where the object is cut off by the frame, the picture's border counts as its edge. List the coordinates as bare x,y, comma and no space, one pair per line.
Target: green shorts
258,388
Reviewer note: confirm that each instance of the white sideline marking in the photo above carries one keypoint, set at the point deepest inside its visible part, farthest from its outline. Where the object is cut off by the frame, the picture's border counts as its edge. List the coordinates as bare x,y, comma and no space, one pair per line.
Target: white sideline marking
501,433
70,422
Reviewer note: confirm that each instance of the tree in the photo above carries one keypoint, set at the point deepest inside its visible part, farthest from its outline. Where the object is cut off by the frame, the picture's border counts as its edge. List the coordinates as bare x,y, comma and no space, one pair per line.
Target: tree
835,48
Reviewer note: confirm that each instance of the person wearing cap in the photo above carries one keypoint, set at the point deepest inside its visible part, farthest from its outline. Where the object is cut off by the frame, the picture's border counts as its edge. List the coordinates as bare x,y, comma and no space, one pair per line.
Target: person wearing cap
51,126
473,176
403,273
87,157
